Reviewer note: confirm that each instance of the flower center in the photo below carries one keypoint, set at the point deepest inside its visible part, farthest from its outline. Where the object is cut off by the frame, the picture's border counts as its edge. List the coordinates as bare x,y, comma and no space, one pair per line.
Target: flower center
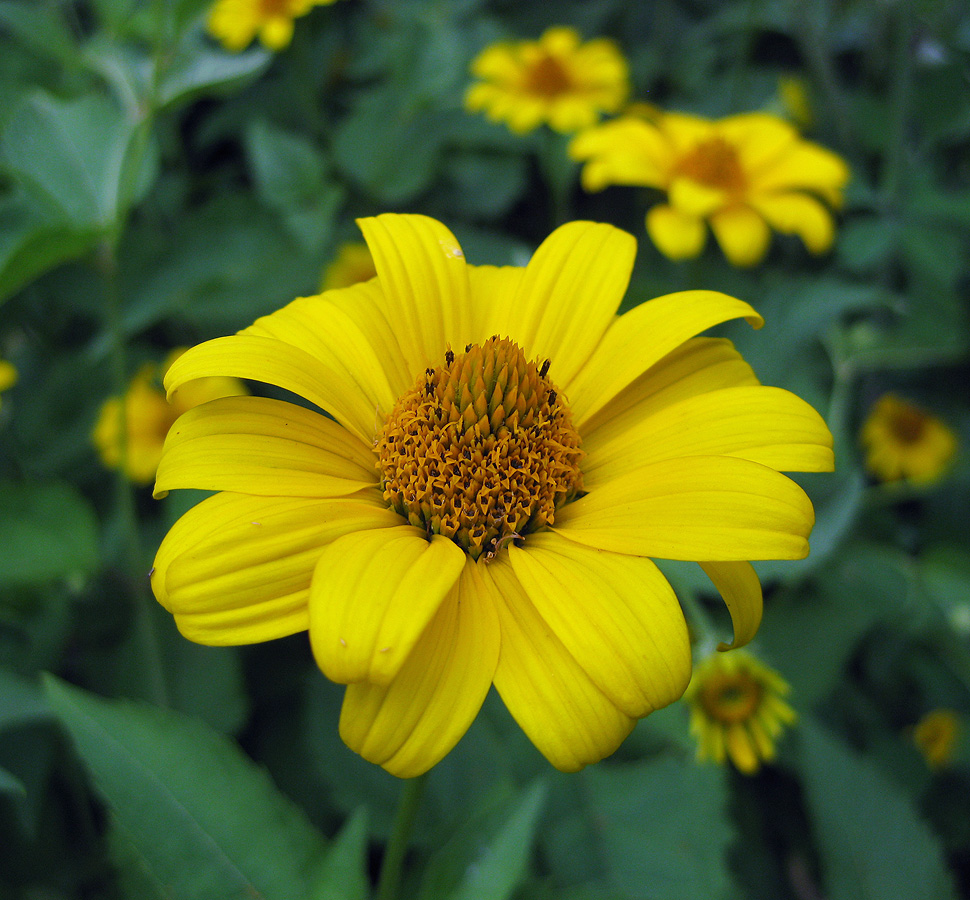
547,78
908,424
273,8
732,697
481,450
714,163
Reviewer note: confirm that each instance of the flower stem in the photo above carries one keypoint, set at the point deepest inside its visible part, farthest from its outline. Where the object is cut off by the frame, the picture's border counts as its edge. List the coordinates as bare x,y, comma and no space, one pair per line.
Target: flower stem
407,812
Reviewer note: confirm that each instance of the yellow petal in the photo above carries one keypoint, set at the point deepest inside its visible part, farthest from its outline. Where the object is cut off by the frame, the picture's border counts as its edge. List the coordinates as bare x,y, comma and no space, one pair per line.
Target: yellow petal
410,724
684,131
696,508
625,151
493,293
678,235
237,569
616,616
254,445
741,749
742,234
569,294
767,425
739,587
373,594
694,199
805,166
758,138
642,337
799,214
697,366
275,362
554,701
276,32
422,271
320,327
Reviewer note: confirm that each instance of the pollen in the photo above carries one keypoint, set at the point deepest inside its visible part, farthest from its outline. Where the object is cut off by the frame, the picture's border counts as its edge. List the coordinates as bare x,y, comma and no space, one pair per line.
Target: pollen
482,449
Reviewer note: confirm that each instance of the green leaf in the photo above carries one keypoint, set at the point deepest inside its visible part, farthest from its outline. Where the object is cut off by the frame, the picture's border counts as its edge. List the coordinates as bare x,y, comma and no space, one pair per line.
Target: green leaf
663,829
343,872
287,169
21,701
501,864
40,27
204,819
10,784
873,843
47,531
198,69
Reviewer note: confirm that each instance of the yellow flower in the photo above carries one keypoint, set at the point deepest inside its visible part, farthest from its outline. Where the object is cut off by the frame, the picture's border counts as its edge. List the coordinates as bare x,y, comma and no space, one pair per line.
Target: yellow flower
903,441
505,453
743,175
352,265
235,23
148,417
795,100
737,710
556,80
8,375
935,736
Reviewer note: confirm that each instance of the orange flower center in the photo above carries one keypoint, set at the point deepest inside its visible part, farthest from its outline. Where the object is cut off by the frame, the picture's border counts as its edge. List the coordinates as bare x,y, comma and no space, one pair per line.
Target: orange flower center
272,8
714,163
547,78
908,424
481,450
731,697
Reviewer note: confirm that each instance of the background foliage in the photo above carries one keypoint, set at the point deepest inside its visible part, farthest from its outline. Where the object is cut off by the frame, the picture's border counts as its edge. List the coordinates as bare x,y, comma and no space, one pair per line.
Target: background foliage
156,191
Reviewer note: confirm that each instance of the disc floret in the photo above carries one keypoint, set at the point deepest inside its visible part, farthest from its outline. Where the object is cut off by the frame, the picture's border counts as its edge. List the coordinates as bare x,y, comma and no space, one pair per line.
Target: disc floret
482,449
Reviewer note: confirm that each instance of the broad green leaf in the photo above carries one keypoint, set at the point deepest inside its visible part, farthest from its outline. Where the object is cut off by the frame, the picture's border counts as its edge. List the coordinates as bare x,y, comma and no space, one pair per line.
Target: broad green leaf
873,843
663,828
343,872
47,531
10,784
206,821
287,169
501,863
198,69
21,701
40,27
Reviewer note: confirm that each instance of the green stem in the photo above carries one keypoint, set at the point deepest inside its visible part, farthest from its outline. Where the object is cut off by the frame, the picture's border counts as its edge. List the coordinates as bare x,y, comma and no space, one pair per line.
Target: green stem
700,622
407,812
820,65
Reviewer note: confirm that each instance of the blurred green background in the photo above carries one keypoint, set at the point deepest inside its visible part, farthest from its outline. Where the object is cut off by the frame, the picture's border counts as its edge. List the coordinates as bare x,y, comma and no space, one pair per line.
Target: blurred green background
157,190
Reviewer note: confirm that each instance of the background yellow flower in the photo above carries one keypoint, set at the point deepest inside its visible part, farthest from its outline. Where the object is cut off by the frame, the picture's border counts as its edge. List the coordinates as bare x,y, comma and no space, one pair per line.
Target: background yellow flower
352,264
236,23
904,442
742,175
936,736
557,80
8,375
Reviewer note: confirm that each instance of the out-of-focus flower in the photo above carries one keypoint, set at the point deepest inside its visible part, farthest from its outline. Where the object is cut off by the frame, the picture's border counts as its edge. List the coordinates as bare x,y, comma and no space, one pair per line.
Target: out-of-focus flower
8,375
236,23
148,416
904,442
352,265
936,736
557,80
505,454
794,97
742,175
737,710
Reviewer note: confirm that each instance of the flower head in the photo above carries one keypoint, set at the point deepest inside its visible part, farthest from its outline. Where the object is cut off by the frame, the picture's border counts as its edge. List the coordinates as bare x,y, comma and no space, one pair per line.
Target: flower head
352,264
148,416
737,710
8,375
936,736
905,442
743,175
504,455
556,80
235,23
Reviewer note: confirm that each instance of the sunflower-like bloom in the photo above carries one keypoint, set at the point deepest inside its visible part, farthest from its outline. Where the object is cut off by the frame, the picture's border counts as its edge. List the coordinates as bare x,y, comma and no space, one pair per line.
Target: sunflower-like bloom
235,23
557,80
737,710
744,175
8,375
905,442
352,264
504,455
148,417
936,736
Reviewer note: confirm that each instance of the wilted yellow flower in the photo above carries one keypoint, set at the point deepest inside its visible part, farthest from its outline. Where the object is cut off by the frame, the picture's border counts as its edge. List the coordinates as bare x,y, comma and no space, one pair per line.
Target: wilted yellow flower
235,23
737,710
8,375
505,453
904,442
557,80
352,265
743,175
935,736
148,417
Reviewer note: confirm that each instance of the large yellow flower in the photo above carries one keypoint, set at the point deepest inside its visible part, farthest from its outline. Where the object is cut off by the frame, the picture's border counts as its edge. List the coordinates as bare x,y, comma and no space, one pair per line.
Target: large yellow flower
556,80
743,175
905,442
505,454
235,23
737,710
